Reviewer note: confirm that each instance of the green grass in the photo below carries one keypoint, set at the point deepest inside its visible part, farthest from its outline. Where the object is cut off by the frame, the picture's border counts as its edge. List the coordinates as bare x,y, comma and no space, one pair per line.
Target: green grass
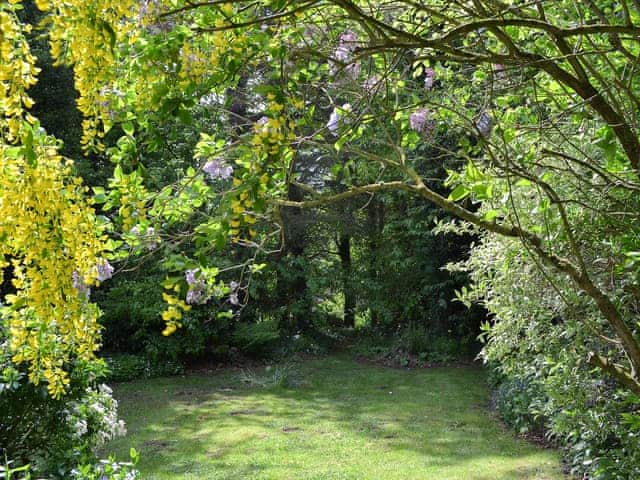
342,420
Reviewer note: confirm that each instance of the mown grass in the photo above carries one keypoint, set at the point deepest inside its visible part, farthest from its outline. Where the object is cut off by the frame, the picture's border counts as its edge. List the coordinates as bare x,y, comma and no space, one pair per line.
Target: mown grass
338,420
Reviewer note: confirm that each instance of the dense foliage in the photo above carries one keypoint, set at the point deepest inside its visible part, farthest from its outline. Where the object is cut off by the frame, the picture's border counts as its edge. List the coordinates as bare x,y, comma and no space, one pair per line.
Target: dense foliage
287,150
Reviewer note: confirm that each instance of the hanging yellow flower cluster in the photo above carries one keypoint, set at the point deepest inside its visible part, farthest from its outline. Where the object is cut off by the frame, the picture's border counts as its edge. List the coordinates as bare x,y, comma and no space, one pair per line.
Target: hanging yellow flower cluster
17,71
271,149
51,244
85,34
51,238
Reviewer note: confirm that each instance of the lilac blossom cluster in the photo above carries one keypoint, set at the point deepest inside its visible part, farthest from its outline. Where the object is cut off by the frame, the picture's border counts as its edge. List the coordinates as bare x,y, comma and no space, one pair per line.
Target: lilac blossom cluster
80,285
336,117
484,124
149,238
429,78
218,169
343,53
109,95
233,295
371,84
421,121
104,270
150,11
197,293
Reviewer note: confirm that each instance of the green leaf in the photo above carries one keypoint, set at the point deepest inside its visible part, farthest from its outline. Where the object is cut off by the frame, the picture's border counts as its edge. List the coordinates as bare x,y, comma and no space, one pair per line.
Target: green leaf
340,143
459,193
490,215
128,128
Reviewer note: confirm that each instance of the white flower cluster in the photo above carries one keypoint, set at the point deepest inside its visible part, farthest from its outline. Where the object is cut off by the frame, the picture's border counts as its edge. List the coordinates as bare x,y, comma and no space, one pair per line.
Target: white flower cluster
94,417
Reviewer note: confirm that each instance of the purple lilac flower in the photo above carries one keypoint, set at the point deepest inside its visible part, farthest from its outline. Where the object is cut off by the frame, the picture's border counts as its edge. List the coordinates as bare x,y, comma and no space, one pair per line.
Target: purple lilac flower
196,297
216,168
343,54
484,124
420,121
144,7
197,293
353,70
190,276
233,285
105,271
370,84
429,78
78,283
332,125
151,241
233,299
348,39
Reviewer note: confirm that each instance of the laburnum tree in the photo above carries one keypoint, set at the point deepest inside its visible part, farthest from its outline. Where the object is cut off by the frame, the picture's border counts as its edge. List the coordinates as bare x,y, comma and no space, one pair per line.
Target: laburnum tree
53,247
541,98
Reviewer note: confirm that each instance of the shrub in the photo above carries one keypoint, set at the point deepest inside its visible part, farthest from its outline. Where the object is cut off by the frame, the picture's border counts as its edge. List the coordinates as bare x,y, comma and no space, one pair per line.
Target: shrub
134,327
54,435
259,339
9,472
515,401
125,367
540,346
417,339
432,347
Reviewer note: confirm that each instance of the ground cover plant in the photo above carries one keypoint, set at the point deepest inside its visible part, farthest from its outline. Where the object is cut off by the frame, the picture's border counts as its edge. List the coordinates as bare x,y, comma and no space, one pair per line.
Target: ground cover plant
330,418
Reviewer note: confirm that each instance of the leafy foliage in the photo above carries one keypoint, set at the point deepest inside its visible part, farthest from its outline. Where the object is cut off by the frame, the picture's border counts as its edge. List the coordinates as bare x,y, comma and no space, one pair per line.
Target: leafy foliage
529,109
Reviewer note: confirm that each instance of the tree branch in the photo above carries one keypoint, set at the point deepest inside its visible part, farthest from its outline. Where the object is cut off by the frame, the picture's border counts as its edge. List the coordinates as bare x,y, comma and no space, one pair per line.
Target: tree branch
616,371
323,200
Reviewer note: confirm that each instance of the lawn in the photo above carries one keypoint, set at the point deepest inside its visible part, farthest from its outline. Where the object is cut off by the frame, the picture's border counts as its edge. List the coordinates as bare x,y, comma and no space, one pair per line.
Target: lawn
337,419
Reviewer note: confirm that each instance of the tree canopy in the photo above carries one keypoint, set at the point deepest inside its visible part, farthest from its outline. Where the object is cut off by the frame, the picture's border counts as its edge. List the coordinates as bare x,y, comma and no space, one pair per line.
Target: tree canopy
532,108
529,110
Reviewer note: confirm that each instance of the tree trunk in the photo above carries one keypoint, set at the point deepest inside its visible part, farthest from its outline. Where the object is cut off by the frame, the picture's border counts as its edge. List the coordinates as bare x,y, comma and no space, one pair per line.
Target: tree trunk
375,213
344,250
292,282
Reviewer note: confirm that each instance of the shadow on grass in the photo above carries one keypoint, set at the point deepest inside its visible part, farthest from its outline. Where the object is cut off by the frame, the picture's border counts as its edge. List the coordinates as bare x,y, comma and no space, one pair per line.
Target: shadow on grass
345,421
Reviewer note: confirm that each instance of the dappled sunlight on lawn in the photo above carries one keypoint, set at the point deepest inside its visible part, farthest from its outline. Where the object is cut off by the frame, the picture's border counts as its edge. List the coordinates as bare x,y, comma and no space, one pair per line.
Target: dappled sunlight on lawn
342,421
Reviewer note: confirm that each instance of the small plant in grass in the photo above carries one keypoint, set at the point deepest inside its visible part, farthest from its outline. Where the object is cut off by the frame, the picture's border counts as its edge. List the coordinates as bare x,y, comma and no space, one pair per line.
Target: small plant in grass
284,376
109,469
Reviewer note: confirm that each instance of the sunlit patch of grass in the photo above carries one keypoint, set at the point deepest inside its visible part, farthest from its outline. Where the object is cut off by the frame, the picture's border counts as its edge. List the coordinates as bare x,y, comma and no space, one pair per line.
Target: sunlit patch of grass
343,420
